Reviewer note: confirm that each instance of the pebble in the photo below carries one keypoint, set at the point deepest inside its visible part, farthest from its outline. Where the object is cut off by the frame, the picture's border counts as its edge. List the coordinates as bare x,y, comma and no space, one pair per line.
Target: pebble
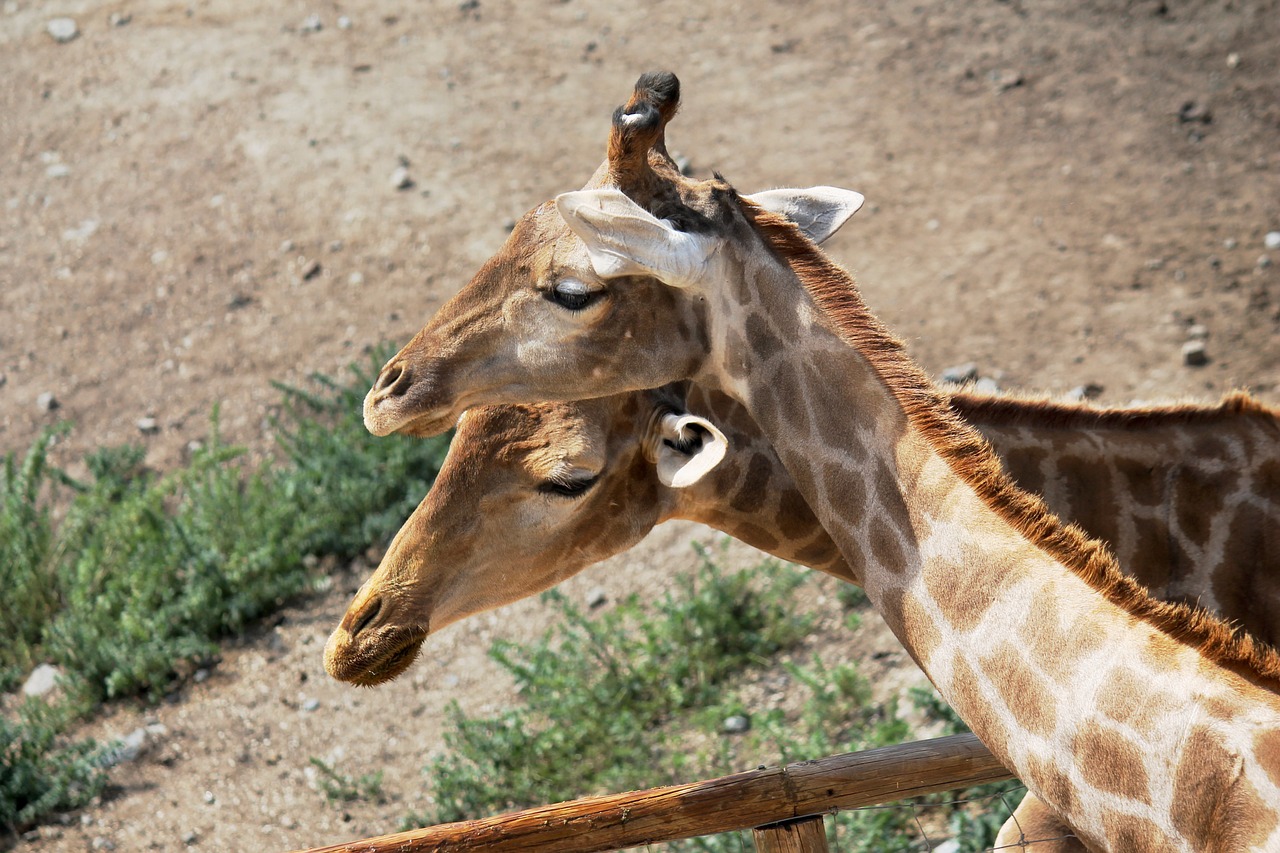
200,675
1230,243
128,749
1005,79
46,402
1194,354
286,247
1195,111
986,385
101,843
41,680
1197,332
1087,391
148,425
1272,240
401,179
312,24
119,19
1263,262
190,837
960,373
596,598
311,705
737,724
344,23
62,30
355,279
209,798
57,170
310,270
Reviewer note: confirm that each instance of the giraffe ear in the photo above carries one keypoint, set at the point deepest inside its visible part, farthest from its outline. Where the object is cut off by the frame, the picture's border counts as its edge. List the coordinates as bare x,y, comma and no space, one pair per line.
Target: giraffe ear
687,448
622,238
818,211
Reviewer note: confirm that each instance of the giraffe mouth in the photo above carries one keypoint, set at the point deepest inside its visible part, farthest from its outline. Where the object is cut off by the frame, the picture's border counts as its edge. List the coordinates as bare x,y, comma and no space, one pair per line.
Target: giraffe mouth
381,662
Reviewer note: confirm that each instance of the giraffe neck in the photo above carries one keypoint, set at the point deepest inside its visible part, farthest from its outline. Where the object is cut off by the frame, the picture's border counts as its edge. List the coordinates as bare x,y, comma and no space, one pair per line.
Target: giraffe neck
1025,626
1184,494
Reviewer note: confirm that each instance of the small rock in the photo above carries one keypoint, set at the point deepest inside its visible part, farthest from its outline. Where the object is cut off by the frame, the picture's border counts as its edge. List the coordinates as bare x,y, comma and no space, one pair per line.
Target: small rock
596,598
201,675
119,19
336,245
1233,60
310,270
1197,332
311,705
286,247
190,837
1087,391
933,225
127,749
288,822
148,425
1195,112
312,24
400,178
1004,79
1194,354
3,379
355,279
101,843
159,256
1272,240
46,402
737,724
57,170
986,385
344,23
41,680
1154,264
1230,243
209,798
960,373
62,30
1263,262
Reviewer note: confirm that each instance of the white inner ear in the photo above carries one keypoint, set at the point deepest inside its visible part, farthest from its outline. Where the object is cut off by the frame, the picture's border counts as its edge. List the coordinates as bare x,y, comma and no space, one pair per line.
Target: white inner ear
818,211
699,445
622,238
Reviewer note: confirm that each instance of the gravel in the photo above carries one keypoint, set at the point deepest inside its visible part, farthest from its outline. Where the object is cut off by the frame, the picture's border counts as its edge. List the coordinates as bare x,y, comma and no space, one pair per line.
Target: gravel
62,30
737,724
46,402
1272,240
1194,354
960,373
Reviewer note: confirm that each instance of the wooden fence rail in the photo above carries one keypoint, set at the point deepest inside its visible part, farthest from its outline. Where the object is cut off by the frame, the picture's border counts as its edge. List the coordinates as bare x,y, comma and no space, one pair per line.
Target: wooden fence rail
740,801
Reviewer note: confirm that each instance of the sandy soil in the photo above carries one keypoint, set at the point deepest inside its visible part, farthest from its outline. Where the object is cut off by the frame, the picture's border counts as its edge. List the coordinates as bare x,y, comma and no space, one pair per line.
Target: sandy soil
198,201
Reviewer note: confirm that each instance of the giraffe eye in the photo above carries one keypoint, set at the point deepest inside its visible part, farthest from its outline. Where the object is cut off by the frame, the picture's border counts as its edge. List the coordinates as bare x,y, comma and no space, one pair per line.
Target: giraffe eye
573,295
567,488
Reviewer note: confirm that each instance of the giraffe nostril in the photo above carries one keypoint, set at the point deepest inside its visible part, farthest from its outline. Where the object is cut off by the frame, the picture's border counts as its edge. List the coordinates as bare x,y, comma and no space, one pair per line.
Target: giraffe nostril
372,609
393,381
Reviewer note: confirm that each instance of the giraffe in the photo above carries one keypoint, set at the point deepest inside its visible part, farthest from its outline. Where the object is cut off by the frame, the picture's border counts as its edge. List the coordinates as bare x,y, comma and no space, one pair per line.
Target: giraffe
1145,725
569,484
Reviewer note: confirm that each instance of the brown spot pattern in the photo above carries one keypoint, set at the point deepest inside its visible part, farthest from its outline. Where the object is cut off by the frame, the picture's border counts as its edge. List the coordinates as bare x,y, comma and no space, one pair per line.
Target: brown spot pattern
1093,497
1110,762
1033,705
885,547
751,494
1198,497
1200,783
1023,464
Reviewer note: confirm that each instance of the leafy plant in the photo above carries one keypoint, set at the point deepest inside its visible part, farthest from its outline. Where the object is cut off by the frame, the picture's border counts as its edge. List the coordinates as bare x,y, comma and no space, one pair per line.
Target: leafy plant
341,788
39,773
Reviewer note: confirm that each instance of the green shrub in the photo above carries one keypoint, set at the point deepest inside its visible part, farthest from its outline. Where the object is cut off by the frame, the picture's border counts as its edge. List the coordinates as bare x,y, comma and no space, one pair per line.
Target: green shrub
40,774
26,568
618,677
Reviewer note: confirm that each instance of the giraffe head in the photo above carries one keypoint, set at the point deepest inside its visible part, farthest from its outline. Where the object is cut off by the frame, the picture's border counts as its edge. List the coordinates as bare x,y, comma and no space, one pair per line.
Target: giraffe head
598,292
527,496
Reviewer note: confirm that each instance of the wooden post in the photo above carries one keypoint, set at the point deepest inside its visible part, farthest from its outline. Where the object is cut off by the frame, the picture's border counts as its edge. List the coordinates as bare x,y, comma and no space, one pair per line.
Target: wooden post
806,835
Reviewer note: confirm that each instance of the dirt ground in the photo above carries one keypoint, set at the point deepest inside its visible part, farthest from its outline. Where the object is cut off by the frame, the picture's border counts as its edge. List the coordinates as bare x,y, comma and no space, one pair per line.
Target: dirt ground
198,199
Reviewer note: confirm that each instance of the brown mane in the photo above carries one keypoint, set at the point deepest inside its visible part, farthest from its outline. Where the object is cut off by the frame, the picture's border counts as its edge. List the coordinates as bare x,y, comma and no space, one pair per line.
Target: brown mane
973,460
1012,410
